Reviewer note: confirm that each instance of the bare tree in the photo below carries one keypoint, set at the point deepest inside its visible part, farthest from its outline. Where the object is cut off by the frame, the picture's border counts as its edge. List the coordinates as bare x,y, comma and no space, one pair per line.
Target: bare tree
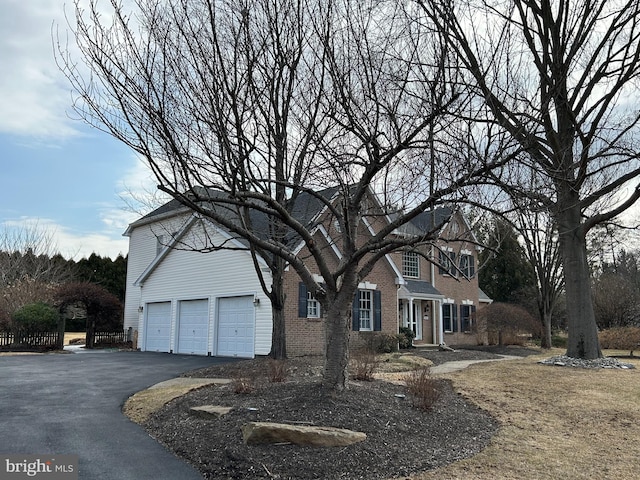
249,110
30,266
616,289
541,244
556,79
30,251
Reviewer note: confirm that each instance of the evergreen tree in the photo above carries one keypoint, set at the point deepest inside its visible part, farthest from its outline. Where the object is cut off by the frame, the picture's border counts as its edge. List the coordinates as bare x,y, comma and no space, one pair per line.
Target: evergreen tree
110,274
504,269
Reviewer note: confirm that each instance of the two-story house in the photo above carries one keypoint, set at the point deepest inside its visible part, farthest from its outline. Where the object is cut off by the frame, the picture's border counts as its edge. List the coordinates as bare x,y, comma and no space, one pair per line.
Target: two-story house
183,298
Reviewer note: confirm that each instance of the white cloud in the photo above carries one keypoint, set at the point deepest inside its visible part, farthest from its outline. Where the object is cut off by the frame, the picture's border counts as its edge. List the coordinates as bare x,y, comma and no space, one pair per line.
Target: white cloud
35,94
70,243
138,189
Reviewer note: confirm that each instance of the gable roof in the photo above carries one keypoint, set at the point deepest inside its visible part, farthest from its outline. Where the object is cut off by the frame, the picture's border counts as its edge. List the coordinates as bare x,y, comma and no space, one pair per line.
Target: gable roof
427,221
305,209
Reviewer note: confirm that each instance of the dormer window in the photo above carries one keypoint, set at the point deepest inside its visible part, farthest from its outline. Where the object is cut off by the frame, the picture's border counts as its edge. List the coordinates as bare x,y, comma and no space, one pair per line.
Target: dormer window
410,264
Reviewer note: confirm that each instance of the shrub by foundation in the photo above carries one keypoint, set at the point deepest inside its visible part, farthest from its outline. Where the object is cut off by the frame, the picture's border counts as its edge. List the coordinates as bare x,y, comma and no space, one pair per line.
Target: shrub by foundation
406,337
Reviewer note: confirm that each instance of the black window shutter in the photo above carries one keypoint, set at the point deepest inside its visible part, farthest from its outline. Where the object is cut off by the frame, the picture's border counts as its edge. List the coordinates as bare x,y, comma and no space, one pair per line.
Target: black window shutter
302,300
442,261
355,313
377,310
454,310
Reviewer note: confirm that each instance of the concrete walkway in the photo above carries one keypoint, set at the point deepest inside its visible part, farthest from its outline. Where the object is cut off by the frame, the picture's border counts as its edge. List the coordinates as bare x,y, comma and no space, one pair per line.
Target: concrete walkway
449,367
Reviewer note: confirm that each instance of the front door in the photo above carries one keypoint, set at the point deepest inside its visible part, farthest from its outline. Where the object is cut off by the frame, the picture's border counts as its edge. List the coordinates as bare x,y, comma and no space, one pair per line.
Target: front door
413,317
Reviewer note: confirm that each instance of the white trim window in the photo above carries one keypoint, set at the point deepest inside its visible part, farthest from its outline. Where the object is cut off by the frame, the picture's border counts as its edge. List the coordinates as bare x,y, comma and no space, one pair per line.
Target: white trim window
449,317
447,262
313,306
410,264
468,265
365,307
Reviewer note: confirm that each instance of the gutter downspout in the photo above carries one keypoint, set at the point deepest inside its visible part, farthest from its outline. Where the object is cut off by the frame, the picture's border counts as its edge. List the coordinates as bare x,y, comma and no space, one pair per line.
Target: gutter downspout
440,338
440,327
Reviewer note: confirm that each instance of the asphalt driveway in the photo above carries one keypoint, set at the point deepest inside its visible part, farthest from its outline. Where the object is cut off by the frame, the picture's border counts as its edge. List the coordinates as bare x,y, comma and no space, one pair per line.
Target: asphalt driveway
71,404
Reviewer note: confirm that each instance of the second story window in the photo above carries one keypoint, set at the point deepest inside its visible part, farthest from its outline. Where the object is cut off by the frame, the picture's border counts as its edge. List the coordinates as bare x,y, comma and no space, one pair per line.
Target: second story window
447,262
468,265
313,306
410,264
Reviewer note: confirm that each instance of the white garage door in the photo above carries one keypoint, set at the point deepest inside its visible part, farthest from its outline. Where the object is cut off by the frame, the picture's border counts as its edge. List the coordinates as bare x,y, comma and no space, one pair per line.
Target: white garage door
158,331
236,325
193,327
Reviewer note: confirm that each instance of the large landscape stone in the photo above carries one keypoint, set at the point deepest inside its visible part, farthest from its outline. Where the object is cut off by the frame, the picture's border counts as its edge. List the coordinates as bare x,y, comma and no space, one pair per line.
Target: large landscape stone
256,433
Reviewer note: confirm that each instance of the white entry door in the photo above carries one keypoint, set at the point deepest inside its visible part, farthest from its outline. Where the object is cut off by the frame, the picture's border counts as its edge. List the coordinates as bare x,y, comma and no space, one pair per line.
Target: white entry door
193,327
236,327
158,327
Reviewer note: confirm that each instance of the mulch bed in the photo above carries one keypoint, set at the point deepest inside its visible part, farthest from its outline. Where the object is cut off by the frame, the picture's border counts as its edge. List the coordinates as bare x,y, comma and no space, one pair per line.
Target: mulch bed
401,439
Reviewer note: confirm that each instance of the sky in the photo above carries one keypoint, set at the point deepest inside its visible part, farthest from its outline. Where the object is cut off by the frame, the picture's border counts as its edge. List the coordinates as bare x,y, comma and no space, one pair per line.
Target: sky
57,173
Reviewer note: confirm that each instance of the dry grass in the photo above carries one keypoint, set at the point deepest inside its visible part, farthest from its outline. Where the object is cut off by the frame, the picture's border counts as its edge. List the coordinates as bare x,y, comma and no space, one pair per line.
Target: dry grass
68,336
141,405
557,423
401,362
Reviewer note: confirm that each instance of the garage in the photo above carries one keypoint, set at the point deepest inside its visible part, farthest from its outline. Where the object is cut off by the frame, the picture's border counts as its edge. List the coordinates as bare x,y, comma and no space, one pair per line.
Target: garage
193,327
236,327
158,327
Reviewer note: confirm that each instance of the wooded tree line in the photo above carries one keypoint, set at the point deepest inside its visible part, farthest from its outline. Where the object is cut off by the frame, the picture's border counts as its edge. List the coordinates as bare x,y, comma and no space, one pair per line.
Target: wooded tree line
516,106
34,275
507,273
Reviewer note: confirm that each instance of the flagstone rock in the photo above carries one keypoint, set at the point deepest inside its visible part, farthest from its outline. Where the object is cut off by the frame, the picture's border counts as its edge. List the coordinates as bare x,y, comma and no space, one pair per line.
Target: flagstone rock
257,433
211,411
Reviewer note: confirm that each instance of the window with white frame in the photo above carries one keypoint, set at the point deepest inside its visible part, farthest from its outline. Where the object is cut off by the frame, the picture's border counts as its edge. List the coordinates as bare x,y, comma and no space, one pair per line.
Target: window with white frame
448,317
410,264
466,317
447,261
468,265
313,306
365,306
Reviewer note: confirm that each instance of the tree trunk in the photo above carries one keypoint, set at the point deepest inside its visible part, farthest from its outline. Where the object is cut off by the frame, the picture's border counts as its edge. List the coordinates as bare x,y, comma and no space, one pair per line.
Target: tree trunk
546,340
61,329
278,332
279,337
91,332
338,326
583,332
544,310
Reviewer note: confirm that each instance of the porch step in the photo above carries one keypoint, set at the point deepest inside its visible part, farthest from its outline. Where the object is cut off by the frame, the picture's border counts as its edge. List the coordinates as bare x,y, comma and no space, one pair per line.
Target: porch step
426,346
